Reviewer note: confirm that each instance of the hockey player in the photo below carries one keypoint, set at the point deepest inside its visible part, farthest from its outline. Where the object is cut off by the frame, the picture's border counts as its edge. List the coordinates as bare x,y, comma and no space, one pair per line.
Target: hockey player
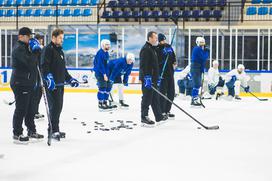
185,82
166,83
200,54
149,74
215,81
23,81
234,79
55,72
102,76
118,68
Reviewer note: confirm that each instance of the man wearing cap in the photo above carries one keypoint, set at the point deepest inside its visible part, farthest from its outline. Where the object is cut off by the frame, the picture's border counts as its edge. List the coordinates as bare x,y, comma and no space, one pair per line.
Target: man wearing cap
167,64
54,71
119,68
23,81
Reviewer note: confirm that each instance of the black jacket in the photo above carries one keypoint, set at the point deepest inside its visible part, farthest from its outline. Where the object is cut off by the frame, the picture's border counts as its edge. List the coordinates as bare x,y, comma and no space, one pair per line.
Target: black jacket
53,61
169,70
149,62
24,66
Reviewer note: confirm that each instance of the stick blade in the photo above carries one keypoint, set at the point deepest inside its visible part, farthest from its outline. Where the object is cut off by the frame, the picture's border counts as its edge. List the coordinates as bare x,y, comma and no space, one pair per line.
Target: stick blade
263,99
212,127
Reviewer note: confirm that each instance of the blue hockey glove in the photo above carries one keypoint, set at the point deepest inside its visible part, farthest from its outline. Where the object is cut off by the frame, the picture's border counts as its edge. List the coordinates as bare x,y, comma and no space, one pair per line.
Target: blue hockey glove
50,82
206,48
167,50
147,81
159,82
73,82
246,89
233,78
34,45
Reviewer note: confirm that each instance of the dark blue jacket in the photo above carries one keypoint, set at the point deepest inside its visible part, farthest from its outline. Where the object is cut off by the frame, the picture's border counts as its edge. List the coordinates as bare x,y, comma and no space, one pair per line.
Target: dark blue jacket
199,56
119,67
100,63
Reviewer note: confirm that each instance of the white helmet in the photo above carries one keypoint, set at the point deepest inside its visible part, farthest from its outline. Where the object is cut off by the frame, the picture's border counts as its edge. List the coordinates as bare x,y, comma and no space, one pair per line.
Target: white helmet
130,56
215,62
200,41
241,67
105,42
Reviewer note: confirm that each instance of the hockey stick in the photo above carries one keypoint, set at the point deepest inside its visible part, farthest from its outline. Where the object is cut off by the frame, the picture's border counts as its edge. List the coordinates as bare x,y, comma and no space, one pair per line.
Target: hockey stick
63,84
200,98
255,95
8,103
206,127
49,140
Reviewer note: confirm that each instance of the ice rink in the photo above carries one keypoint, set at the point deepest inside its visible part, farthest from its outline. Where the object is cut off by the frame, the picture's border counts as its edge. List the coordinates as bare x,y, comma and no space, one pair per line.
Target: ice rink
241,150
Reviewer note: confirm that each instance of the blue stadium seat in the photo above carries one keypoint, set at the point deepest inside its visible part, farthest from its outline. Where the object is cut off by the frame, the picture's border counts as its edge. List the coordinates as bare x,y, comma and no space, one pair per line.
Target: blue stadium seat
2,13
160,3
27,3
87,12
37,2
65,2
136,14
74,2
176,14
127,14
196,14
38,12
146,14
267,1
48,12
201,3
94,2
19,2
67,12
171,3
143,3
256,1
10,12
191,3
131,3
155,14
106,14
20,12
116,14
122,3
85,2
77,12
186,14
46,2
166,14
206,14
181,3
263,11
211,3
112,4
9,3
1,3
270,11
28,12
252,10
217,14
58,12
56,2
222,3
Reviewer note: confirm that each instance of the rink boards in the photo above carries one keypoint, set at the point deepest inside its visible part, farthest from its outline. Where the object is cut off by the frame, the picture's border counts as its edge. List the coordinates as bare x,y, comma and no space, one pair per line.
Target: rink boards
259,81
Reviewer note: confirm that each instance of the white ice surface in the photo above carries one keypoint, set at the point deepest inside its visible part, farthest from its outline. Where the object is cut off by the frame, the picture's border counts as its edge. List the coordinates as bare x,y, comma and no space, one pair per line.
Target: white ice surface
241,150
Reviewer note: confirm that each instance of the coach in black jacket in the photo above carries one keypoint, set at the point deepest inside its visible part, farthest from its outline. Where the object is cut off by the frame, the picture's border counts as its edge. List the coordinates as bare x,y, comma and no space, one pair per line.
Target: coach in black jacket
55,72
23,82
149,74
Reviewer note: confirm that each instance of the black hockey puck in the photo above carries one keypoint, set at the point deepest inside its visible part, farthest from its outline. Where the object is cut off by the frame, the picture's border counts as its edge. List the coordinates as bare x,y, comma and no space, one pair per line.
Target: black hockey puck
198,127
74,118
111,121
84,124
134,124
129,121
88,132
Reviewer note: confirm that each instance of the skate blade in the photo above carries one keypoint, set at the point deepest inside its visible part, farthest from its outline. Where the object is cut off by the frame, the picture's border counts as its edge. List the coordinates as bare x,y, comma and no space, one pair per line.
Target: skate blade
39,119
17,142
147,125
124,108
35,140
161,123
171,118
196,107
105,110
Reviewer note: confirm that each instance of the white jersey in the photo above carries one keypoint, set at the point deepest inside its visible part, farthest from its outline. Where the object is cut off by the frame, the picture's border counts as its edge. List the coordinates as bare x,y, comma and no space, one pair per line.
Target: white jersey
184,72
213,76
241,77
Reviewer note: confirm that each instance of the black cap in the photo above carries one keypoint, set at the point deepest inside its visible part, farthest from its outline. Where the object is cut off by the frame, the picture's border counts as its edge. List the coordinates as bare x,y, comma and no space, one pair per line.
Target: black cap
38,36
25,31
161,37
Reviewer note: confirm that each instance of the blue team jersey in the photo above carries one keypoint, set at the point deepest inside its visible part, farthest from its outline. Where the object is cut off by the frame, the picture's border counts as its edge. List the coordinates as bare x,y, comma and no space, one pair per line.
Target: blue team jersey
101,62
119,67
199,55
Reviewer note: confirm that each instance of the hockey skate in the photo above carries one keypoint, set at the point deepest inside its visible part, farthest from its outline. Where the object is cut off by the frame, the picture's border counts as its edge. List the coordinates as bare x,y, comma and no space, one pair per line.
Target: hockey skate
170,115
237,98
123,105
21,139
147,122
103,107
163,120
196,102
